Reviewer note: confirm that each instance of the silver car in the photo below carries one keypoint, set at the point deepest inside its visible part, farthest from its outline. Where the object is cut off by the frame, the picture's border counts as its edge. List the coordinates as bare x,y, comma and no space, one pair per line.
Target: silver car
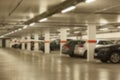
81,49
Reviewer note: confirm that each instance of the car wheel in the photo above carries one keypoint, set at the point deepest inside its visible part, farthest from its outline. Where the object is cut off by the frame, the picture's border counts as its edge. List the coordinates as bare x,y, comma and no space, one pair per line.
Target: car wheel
104,58
115,58
85,54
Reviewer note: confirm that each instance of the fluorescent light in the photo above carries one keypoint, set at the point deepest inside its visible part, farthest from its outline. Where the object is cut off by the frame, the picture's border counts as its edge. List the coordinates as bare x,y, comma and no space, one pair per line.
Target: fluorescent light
68,9
25,27
89,1
2,36
32,24
20,29
42,20
12,32
118,27
67,29
104,29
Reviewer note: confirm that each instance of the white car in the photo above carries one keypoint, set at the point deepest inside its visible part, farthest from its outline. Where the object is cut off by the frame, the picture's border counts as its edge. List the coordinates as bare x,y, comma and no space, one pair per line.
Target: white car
81,49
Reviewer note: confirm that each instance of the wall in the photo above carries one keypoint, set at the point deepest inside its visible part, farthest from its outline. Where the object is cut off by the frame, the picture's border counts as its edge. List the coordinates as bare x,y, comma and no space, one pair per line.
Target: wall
111,36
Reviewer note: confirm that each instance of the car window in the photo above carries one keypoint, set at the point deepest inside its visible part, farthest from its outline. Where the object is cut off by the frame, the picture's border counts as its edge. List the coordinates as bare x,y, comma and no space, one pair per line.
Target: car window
81,42
104,42
68,42
74,43
109,42
101,43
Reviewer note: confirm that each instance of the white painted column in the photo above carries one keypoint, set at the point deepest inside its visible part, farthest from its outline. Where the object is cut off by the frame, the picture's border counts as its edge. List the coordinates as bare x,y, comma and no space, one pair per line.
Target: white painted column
23,43
47,41
36,41
63,38
91,42
29,42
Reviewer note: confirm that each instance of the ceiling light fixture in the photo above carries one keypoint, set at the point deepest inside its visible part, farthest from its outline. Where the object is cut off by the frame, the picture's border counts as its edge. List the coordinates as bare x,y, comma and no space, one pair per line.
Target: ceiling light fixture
68,9
104,29
42,20
32,24
2,36
89,1
25,27
20,29
67,29
118,27
12,32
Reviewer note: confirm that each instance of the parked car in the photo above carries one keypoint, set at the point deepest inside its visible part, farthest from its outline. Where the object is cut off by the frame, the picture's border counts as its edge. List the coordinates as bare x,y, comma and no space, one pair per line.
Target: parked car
41,46
109,53
81,49
54,45
69,47
16,46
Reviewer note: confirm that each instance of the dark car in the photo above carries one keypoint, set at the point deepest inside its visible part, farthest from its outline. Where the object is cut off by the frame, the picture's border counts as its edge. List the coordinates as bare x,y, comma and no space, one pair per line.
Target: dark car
69,47
16,46
41,46
109,53
54,45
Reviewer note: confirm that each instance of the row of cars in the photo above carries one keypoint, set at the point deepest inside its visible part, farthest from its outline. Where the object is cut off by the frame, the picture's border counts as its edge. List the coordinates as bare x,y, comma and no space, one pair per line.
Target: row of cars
105,50
54,45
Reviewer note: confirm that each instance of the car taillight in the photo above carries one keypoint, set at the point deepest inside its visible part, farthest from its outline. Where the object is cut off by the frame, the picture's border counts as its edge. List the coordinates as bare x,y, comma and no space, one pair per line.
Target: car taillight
67,47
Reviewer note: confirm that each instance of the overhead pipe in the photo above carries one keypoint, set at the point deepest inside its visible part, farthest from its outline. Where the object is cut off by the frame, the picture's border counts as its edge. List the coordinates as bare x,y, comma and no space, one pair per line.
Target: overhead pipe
15,8
55,9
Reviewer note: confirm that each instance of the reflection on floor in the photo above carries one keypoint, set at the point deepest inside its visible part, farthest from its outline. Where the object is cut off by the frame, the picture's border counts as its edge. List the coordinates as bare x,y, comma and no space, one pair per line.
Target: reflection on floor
17,66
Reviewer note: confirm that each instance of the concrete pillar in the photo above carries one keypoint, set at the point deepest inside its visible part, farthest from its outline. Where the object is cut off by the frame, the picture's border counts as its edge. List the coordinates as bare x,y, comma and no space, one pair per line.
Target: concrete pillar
29,42
63,38
47,41
91,42
23,43
36,42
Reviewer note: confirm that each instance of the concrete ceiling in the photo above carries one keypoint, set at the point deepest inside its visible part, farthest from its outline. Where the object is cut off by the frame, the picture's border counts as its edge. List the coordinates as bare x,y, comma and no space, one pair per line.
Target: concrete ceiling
14,14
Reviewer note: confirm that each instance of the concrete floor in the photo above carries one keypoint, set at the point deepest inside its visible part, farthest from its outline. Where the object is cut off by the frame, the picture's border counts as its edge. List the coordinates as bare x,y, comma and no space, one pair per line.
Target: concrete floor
18,66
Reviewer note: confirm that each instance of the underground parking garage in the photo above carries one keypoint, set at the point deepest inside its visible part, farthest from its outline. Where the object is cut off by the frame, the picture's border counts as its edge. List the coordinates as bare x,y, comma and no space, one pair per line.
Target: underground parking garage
59,40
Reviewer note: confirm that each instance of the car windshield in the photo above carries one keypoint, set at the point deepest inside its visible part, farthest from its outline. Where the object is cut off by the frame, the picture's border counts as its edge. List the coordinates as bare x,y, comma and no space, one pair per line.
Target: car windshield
104,42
